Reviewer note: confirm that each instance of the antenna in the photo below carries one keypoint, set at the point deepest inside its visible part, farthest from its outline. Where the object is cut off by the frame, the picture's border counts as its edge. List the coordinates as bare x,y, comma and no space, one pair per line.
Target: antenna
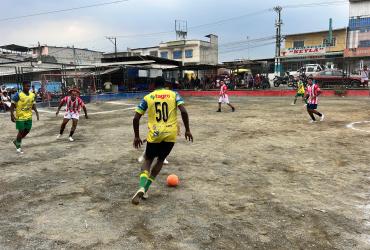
181,28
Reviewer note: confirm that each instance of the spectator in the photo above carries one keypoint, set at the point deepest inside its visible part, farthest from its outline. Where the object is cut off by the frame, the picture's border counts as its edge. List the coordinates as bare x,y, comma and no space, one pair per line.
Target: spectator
365,76
5,101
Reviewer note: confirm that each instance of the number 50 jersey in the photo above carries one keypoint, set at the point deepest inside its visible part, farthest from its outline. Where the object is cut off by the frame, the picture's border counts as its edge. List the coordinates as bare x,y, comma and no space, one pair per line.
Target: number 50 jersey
162,114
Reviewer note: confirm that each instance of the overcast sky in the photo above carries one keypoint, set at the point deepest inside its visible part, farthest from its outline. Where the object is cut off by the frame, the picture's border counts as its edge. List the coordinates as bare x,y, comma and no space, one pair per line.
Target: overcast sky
86,28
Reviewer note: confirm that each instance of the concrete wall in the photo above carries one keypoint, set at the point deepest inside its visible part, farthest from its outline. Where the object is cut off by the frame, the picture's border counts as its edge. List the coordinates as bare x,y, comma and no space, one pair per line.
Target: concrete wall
359,9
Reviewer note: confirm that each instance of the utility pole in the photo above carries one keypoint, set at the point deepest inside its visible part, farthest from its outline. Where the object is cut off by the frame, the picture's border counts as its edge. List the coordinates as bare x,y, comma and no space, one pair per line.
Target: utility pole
278,24
113,40
248,47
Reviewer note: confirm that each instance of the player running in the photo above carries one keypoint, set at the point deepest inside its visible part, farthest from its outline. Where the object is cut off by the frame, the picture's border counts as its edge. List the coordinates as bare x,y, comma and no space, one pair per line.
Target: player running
161,105
300,91
23,103
73,109
312,97
224,97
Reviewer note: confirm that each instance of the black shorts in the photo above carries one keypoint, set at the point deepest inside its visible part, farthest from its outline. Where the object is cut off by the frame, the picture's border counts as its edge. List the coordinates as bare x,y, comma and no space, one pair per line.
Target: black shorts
160,150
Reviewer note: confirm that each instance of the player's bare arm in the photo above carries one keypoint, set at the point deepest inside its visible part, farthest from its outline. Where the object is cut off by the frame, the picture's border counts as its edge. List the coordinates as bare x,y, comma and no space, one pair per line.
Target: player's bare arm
85,111
136,124
185,119
12,117
36,111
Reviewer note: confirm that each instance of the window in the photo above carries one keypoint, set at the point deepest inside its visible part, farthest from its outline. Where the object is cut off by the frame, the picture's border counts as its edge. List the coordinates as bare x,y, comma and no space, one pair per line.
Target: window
177,54
189,53
164,54
153,53
326,42
298,44
364,44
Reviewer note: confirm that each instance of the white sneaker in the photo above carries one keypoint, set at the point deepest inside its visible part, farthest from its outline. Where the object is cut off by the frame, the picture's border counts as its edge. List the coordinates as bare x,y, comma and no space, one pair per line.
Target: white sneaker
58,136
292,104
139,194
19,151
312,121
141,158
145,196
71,139
322,117
165,162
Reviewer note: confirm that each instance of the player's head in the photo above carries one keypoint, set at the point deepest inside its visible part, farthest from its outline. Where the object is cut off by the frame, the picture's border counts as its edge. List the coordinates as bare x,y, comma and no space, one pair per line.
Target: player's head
222,82
26,86
74,93
365,67
310,80
159,82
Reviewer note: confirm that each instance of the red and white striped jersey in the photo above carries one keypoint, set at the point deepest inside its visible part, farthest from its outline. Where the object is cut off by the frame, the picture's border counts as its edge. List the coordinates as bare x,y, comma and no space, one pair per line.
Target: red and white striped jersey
313,91
223,90
73,106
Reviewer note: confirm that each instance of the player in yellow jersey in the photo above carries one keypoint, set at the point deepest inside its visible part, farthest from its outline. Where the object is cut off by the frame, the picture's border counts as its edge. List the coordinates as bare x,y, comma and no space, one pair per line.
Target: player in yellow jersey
300,91
161,105
23,103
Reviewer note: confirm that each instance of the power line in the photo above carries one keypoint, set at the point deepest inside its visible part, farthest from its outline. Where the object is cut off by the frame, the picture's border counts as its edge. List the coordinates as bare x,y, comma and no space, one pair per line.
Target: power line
62,10
247,47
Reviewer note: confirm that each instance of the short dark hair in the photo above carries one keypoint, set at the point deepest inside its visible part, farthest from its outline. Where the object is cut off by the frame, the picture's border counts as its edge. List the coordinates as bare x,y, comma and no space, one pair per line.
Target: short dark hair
26,82
159,81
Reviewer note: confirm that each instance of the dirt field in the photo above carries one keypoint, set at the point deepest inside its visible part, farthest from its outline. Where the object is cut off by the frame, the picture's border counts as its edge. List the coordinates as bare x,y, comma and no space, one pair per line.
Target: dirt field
259,178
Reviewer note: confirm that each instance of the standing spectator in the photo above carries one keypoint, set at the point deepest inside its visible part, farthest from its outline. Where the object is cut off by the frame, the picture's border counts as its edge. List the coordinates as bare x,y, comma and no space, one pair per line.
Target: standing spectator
365,76
5,100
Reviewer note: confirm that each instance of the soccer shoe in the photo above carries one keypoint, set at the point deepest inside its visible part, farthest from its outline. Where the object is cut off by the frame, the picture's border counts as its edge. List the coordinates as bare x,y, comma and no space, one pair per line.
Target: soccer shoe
312,121
139,194
19,151
70,139
145,196
165,162
58,136
292,104
218,110
141,158
322,118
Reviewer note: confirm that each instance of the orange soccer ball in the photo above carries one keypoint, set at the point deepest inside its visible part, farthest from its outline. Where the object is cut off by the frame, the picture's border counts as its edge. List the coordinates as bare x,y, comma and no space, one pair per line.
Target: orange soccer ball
172,180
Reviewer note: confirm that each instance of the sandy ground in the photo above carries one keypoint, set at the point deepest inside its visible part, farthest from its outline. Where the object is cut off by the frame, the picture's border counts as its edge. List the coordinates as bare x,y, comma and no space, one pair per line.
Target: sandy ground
259,178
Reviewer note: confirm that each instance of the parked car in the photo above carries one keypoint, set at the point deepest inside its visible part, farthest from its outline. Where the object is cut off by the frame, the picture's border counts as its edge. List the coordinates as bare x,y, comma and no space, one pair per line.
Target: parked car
331,78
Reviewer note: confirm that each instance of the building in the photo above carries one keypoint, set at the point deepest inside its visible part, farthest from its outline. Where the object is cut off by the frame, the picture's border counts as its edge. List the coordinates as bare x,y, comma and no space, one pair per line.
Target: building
66,55
189,52
357,53
314,47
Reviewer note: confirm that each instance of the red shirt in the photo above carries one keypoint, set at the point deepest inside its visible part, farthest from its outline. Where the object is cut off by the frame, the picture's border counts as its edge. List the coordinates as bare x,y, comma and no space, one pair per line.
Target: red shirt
223,90
73,106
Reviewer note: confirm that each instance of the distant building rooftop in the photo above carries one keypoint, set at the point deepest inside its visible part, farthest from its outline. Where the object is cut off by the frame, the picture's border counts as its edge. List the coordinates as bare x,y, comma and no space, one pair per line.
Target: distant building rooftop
15,47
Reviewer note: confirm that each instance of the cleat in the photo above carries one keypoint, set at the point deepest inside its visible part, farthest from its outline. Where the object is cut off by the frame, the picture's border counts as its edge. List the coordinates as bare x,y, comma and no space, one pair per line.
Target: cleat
292,104
145,196
218,110
141,158
322,118
139,194
165,162
312,121
70,139
19,151
58,136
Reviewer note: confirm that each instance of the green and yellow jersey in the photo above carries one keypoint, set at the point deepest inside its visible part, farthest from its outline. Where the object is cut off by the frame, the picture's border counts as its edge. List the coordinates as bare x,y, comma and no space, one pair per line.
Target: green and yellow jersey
162,114
300,89
23,105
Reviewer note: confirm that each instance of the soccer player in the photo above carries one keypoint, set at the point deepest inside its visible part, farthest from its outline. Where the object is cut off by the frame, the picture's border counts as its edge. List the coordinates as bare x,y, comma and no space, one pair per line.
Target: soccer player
300,91
73,109
312,97
23,103
161,105
224,98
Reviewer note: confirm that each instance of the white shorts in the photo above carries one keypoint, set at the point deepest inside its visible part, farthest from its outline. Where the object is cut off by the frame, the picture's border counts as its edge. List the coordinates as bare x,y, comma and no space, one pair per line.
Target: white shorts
224,99
71,115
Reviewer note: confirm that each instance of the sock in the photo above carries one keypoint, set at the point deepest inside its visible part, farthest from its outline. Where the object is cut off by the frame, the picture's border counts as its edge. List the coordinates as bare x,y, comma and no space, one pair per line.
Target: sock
313,117
143,178
319,114
61,131
71,133
149,182
295,100
17,143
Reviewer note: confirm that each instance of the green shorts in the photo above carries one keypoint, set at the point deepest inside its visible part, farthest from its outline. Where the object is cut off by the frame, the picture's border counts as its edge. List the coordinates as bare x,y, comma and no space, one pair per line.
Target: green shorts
23,125
298,94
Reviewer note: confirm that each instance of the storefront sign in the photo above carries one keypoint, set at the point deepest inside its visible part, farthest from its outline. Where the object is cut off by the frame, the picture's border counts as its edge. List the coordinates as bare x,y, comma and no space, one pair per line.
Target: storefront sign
304,51
357,52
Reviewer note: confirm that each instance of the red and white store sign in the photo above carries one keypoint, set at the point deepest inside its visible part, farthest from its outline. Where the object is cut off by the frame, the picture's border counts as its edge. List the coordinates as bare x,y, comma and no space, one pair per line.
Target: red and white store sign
304,51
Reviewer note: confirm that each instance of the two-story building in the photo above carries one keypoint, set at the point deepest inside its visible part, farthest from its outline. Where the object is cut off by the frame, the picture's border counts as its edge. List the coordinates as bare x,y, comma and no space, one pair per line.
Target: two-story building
189,52
314,48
